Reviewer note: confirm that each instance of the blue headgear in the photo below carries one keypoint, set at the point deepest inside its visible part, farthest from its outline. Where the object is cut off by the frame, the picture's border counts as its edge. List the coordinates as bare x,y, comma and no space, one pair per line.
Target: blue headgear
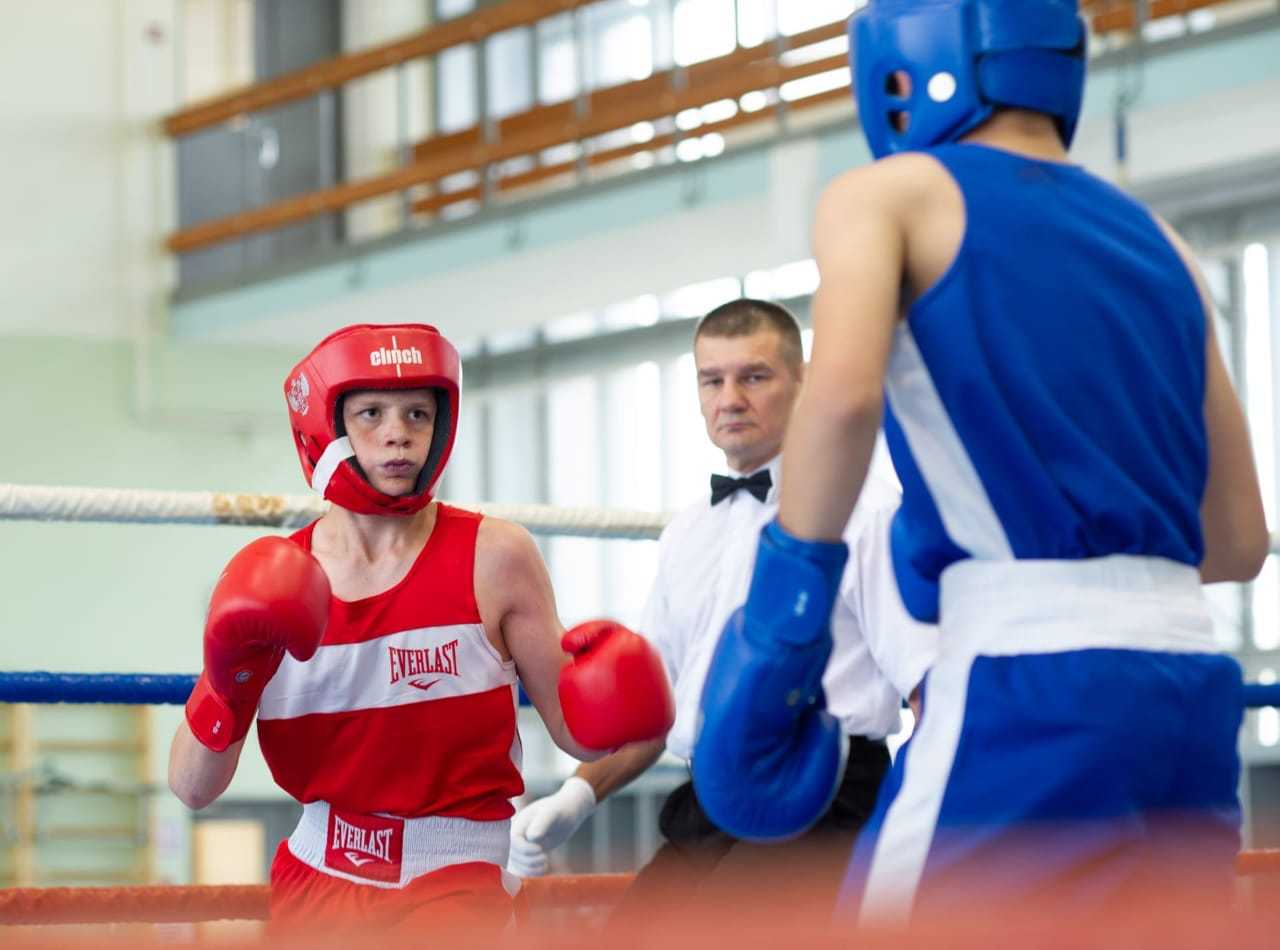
965,58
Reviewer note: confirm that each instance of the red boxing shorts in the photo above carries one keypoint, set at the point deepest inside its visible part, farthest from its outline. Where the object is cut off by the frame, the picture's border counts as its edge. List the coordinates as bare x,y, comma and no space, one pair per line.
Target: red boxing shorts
461,898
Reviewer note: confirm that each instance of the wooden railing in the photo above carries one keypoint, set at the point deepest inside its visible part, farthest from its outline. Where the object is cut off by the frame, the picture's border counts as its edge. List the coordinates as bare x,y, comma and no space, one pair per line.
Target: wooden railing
578,121
340,70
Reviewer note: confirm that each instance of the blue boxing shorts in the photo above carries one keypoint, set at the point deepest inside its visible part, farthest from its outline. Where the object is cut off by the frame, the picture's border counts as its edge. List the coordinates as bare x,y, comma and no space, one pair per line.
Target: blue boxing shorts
1078,737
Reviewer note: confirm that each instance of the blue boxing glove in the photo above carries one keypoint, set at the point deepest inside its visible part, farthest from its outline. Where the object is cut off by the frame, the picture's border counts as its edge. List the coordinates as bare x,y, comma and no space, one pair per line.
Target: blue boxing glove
768,756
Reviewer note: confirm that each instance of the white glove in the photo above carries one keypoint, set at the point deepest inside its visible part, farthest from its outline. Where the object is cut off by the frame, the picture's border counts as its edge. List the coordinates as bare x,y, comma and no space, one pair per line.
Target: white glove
544,825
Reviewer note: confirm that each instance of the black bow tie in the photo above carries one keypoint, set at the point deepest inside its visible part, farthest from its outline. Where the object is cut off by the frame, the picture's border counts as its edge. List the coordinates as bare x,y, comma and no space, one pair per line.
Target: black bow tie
758,485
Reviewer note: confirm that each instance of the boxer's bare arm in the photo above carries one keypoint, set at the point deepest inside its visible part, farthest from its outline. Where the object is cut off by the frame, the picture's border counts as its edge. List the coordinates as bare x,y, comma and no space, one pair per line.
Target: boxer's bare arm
197,774
513,591
619,769
859,245
1236,540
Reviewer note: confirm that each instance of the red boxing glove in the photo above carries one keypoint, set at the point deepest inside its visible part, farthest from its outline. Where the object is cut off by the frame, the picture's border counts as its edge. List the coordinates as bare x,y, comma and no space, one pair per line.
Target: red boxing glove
615,691
273,596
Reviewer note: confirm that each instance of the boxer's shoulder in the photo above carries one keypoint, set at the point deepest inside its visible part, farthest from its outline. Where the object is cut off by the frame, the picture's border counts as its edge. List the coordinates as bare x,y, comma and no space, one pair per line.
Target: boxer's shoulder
899,184
505,553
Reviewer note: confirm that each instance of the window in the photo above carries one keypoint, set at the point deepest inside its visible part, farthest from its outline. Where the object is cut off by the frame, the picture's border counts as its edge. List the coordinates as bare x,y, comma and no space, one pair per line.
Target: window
509,72
557,59
690,456
447,9
457,105
619,43
632,463
704,29
795,18
573,480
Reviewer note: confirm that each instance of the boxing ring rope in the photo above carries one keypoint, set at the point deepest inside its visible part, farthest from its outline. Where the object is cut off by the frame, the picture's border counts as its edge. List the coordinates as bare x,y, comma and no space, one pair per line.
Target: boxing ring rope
139,506
172,689
135,689
249,509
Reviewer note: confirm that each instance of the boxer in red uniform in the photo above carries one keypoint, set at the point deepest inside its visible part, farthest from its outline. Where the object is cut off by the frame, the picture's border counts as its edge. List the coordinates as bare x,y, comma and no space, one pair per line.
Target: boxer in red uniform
380,649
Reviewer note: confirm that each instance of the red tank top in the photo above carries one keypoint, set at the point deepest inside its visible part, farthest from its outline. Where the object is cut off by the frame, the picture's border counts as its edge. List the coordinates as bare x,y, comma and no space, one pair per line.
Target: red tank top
406,708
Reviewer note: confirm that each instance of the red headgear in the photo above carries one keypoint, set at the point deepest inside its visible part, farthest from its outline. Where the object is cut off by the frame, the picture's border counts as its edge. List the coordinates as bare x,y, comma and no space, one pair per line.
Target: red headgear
370,356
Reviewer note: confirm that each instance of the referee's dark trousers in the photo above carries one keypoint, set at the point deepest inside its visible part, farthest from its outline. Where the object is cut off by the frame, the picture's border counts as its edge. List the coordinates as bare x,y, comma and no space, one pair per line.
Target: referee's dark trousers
699,868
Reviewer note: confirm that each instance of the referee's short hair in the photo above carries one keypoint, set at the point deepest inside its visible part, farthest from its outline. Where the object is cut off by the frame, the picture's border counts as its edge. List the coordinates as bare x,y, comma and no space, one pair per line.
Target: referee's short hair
747,315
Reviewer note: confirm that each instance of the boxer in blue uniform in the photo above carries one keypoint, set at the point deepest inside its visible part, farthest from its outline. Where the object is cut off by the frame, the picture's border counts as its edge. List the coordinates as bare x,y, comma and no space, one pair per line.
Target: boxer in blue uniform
1074,462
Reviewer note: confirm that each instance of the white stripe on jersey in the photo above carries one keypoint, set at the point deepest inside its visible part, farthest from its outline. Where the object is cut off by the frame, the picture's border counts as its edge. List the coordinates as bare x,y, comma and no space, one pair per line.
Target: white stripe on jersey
398,669
961,498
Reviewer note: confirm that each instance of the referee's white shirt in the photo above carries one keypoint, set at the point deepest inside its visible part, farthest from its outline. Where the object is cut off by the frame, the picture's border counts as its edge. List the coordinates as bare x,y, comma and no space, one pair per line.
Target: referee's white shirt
705,559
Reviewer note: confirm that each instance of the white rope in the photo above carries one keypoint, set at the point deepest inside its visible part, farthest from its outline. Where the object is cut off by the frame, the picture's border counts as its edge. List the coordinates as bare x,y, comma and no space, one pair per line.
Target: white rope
138,506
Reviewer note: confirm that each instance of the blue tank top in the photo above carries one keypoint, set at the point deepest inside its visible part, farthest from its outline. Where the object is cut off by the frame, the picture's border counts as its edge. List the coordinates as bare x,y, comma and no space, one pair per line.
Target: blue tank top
1045,398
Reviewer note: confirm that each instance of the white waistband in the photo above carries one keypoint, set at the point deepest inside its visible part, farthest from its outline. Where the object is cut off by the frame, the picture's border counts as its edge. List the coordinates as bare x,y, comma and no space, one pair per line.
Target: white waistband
999,608
430,843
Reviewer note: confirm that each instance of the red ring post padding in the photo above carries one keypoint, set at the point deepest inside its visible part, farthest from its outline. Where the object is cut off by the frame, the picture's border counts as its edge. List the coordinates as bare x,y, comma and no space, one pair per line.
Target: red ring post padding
168,904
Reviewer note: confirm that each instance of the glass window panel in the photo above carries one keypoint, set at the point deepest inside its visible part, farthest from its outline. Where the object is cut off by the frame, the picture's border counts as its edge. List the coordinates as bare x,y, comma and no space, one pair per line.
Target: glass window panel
561,154
797,17
633,479
576,326
638,312
451,8
632,463
514,453
573,441
836,46
619,138
577,577
1268,726
704,29
573,453
797,279
631,569
512,341
690,456
557,59
1266,607
788,282
464,476
459,181
755,22
456,89
508,72
619,44
697,299
814,85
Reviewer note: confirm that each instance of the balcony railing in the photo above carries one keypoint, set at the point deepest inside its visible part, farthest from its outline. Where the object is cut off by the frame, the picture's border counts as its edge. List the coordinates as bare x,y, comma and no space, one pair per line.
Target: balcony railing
585,127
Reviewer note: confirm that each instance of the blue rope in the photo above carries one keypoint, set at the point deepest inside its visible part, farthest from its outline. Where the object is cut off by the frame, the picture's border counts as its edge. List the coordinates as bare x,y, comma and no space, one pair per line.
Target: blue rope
147,689
139,689
1256,695
135,689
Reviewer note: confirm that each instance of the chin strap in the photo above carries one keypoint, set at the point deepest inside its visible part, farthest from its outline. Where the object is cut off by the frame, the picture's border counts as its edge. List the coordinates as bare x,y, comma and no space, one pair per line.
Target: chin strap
337,452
